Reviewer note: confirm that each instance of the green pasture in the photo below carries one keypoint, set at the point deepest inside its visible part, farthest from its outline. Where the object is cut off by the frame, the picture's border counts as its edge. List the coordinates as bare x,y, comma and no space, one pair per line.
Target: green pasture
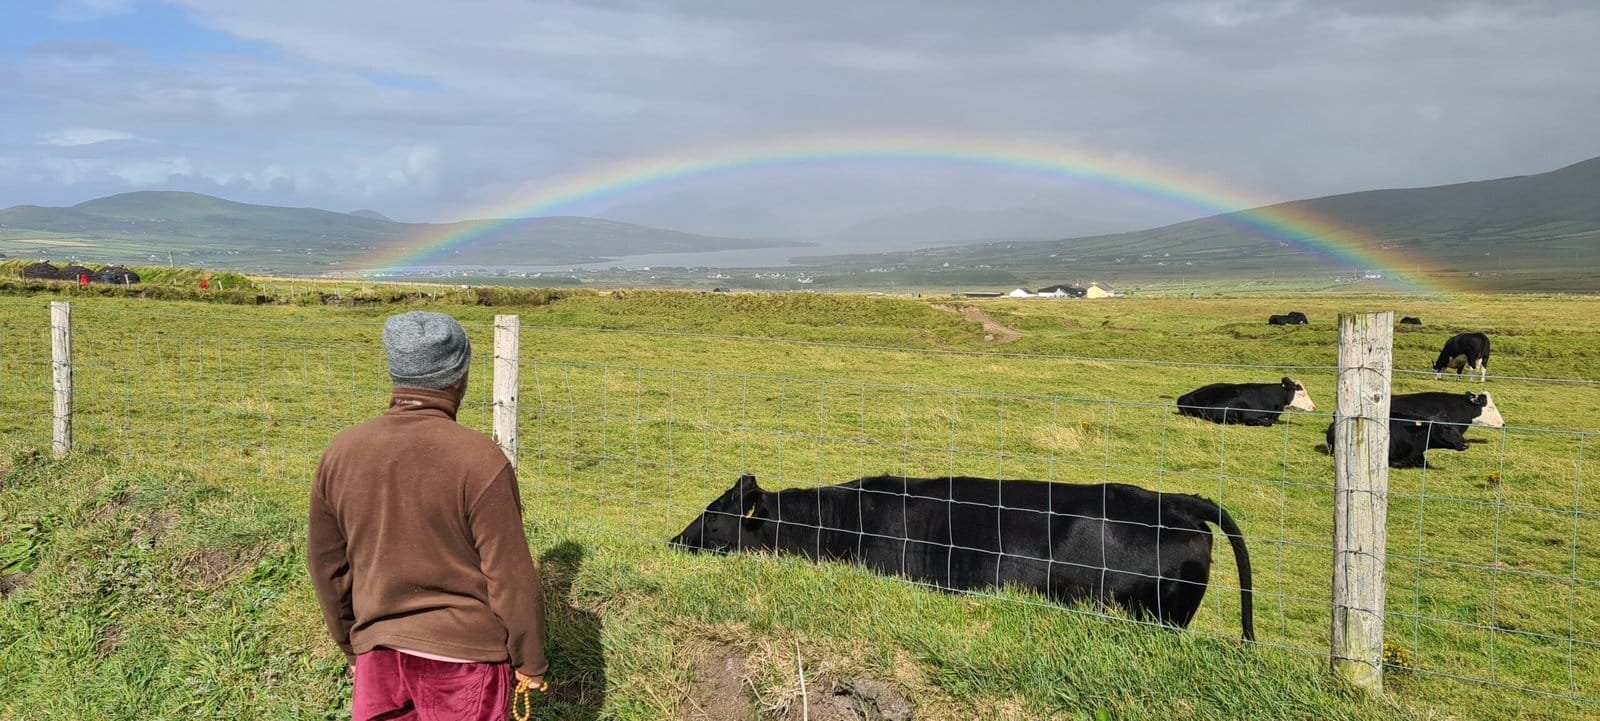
164,557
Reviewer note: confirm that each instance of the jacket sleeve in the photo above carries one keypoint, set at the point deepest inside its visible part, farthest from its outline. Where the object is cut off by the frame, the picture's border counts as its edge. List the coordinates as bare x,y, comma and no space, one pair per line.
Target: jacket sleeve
329,562
515,593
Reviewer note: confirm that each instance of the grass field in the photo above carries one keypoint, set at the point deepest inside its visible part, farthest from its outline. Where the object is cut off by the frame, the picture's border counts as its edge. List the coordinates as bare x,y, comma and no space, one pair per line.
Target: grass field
163,561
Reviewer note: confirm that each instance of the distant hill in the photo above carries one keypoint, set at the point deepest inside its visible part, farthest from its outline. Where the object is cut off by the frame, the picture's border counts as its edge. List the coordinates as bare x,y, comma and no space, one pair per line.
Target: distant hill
369,214
1549,222
204,230
935,226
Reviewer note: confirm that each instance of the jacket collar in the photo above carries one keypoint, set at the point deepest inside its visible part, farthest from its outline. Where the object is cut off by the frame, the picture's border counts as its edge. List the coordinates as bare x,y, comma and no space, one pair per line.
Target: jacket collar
411,400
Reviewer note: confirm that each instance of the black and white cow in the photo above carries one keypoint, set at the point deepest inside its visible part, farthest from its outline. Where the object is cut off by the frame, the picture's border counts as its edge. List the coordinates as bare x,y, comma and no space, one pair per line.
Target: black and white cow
1410,320
1107,543
1252,404
1294,317
1410,438
1476,409
1465,351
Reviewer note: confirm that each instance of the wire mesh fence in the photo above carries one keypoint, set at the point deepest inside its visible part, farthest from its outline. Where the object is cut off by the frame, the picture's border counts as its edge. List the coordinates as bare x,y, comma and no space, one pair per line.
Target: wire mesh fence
1493,569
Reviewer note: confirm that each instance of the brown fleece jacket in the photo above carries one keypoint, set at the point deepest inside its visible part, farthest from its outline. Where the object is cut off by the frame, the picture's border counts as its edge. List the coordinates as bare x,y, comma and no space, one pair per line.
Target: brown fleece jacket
416,540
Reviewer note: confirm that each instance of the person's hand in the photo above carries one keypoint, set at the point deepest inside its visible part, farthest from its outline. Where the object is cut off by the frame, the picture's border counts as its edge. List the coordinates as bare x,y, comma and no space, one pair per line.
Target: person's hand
536,683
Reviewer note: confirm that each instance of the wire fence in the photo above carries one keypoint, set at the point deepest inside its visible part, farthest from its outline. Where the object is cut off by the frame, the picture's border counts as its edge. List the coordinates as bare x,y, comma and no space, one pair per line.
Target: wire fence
1492,566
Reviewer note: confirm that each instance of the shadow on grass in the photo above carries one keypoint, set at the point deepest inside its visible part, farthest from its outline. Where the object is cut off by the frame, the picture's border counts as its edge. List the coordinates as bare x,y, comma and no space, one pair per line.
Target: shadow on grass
573,642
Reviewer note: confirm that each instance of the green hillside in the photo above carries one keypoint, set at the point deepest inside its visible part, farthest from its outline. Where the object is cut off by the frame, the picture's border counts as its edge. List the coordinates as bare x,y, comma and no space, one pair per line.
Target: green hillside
1547,223
201,230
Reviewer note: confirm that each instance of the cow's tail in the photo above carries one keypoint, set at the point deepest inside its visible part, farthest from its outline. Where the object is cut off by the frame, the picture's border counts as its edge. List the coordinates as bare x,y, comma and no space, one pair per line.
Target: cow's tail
1211,512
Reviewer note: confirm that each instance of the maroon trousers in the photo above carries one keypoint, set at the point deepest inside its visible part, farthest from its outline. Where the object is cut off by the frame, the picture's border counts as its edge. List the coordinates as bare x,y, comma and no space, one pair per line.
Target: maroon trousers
390,685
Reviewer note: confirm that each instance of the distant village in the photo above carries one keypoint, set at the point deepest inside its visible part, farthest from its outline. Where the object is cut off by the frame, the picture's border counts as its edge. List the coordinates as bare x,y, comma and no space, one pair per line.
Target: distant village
1091,290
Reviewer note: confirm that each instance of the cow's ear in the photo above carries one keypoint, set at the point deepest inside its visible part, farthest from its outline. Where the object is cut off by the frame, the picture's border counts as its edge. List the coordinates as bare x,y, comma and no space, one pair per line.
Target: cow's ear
1289,383
747,493
756,512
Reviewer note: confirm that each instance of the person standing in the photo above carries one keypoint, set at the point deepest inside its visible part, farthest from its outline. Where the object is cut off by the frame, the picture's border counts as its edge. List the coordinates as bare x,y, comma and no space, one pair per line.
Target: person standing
416,547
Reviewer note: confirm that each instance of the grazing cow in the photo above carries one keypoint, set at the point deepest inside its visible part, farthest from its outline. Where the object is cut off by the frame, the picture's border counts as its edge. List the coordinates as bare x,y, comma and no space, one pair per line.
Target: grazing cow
1463,352
1294,317
1409,438
1109,543
1410,320
1477,409
1252,404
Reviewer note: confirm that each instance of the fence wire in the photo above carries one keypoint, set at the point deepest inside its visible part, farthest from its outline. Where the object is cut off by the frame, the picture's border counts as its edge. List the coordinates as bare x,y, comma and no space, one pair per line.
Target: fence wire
1493,571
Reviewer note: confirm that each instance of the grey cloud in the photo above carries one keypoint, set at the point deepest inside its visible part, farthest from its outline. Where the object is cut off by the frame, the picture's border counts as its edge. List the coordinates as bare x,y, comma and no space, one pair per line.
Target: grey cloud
1286,98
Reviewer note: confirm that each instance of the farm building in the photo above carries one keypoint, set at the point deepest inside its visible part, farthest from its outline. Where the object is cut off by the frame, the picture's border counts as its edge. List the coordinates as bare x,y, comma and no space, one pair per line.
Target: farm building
1061,291
1097,290
1020,293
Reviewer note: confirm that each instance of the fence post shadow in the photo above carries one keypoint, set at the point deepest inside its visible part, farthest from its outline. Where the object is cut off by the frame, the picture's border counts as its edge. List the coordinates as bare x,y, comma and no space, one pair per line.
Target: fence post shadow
573,641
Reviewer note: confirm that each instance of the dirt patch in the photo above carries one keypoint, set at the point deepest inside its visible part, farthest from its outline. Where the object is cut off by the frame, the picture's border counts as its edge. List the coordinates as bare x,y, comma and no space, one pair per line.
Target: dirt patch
994,332
14,583
211,566
854,700
108,639
110,508
718,692
156,525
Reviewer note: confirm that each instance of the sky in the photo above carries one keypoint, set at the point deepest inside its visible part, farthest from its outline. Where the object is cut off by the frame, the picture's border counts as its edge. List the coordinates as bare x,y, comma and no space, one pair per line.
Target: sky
446,110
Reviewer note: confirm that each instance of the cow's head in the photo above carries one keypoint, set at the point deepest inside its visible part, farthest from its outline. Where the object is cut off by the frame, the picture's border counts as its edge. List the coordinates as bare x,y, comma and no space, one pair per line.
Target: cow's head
1488,415
725,524
1301,401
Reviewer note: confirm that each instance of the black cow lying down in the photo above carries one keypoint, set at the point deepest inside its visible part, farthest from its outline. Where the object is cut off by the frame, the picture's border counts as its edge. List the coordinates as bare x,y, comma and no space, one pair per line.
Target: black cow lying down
1410,439
1110,543
1252,404
1294,317
1476,409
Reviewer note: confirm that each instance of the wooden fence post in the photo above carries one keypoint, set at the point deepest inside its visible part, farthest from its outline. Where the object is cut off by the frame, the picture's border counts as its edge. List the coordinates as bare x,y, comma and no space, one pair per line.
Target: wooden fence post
1361,496
61,376
507,350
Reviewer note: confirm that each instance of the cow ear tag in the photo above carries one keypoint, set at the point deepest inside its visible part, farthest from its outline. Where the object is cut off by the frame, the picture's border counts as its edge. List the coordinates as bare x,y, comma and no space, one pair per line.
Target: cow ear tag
750,513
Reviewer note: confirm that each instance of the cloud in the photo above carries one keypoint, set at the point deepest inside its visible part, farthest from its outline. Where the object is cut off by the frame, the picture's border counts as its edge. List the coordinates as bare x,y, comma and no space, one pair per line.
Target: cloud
437,109
72,137
88,10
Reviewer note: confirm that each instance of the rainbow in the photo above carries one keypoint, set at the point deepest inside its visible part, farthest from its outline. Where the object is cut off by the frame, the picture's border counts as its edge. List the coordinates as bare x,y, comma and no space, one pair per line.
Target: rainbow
1340,245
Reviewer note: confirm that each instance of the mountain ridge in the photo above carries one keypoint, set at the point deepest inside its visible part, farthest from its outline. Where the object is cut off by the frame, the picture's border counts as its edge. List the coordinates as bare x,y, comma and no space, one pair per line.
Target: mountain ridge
206,229
1548,220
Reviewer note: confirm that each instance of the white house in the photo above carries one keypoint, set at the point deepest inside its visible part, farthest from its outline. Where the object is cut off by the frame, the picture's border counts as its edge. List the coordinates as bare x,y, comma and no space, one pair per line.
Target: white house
1020,293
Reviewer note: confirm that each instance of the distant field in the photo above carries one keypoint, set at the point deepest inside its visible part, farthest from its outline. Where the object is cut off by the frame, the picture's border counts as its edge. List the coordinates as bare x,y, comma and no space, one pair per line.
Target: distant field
178,526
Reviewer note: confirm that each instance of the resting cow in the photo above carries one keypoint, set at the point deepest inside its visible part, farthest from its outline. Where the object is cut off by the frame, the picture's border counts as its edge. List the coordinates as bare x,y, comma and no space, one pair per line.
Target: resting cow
1410,320
1410,438
1294,317
1465,351
1252,404
1109,543
1477,409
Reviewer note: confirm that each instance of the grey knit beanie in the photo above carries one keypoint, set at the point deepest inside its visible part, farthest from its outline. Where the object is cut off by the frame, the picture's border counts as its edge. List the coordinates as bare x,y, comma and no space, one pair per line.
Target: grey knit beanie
426,350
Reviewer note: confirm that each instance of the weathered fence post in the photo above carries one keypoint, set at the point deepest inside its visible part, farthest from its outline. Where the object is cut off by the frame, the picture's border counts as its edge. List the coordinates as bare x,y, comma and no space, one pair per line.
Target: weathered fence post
61,375
1361,496
507,349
